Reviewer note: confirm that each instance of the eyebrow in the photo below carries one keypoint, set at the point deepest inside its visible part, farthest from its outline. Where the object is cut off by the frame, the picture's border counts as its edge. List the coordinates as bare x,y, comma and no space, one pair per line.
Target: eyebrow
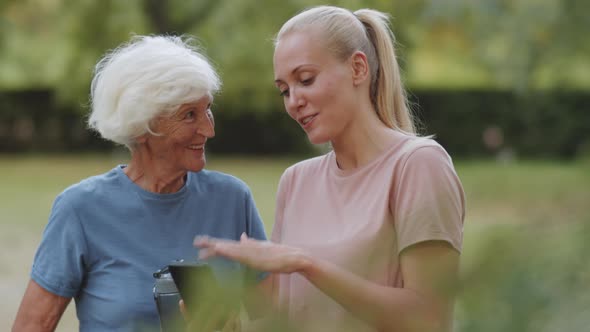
296,69
193,105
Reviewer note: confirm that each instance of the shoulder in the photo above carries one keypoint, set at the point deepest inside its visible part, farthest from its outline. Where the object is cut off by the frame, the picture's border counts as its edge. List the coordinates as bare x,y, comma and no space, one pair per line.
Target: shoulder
426,164
219,181
307,166
424,150
87,189
423,160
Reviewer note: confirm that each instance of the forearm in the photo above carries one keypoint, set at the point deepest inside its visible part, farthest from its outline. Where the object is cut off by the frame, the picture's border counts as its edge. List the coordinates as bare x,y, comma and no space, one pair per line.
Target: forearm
424,304
30,320
384,307
40,310
37,324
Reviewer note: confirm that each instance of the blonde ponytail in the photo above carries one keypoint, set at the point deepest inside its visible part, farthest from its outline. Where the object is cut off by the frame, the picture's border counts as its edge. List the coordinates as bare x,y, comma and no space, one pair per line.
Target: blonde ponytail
387,92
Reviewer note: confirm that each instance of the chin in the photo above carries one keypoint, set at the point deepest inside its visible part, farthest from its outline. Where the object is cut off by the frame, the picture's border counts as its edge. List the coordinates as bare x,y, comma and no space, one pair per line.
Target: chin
318,139
197,169
198,165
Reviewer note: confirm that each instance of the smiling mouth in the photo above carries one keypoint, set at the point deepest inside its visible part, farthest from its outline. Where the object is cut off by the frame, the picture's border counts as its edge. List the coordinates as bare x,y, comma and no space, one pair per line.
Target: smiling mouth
196,147
305,120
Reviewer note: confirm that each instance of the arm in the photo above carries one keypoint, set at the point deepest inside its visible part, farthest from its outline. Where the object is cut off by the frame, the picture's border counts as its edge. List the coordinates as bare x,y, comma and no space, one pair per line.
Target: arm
425,302
428,260
40,310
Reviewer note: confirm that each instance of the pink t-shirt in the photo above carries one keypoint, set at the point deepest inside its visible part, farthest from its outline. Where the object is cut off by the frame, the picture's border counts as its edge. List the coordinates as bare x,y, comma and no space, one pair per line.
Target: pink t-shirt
361,219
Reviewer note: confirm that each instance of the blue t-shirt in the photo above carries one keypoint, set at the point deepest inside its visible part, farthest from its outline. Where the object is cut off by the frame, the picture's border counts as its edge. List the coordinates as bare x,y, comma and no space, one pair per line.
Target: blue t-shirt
106,236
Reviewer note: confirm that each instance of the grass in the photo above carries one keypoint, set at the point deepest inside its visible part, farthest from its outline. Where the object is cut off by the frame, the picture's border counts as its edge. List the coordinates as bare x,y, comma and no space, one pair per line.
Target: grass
523,192
524,247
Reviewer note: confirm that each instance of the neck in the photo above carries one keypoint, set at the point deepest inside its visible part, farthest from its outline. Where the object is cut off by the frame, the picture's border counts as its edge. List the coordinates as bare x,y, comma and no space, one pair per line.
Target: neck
364,139
153,174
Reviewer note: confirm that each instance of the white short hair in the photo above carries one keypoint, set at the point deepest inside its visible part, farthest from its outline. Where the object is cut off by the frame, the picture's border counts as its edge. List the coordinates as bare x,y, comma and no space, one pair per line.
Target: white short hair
144,78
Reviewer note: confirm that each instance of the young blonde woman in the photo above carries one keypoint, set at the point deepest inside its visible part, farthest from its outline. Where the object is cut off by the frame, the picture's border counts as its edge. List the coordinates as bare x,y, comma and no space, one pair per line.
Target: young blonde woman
368,236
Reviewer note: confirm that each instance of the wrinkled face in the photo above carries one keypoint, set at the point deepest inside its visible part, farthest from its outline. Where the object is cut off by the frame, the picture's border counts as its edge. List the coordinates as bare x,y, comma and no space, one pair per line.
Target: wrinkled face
181,146
315,85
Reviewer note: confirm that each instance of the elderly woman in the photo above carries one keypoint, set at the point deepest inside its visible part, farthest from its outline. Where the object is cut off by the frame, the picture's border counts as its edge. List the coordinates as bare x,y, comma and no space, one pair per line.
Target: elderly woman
107,234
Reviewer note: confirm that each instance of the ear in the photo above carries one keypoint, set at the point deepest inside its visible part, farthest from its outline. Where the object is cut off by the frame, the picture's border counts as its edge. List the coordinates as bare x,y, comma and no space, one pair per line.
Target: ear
360,67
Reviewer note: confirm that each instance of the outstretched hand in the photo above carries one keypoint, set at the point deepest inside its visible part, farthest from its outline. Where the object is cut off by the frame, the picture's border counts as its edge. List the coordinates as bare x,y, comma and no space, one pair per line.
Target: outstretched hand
260,255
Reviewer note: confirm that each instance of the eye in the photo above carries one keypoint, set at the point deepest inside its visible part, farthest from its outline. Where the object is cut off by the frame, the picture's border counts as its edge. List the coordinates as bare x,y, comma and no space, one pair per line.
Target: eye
284,93
189,115
307,81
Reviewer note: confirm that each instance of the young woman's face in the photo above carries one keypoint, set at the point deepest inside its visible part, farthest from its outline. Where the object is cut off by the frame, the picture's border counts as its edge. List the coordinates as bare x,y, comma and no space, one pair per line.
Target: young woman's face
181,145
315,85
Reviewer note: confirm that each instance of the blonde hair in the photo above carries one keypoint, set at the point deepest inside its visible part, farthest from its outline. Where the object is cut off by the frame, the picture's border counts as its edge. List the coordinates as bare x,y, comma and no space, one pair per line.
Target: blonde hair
365,30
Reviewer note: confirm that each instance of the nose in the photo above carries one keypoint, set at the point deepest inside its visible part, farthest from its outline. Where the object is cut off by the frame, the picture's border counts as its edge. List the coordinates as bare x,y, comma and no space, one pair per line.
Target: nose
294,101
206,126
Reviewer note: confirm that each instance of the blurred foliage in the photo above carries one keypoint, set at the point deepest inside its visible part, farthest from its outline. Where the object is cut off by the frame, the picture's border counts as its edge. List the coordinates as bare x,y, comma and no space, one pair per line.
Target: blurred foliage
55,43
469,65
530,277
517,45
525,44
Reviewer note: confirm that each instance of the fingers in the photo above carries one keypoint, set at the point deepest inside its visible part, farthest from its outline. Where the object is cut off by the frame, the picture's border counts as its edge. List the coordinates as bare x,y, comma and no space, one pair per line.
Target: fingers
207,245
210,242
206,253
246,251
203,241
218,247
231,250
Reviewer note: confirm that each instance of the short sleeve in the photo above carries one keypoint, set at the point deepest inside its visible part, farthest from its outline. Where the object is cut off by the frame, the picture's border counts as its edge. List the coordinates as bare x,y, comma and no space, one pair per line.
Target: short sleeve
255,230
58,265
429,201
254,222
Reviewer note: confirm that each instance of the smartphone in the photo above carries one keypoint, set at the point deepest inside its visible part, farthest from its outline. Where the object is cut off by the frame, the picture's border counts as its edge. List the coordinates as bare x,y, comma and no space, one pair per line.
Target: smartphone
193,281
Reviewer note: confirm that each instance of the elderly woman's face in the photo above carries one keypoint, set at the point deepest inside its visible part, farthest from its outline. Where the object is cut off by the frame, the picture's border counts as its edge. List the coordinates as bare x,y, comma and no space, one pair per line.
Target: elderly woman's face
181,145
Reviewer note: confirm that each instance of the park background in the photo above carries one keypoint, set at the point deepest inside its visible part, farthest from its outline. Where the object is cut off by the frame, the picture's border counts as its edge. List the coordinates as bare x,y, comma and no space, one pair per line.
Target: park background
504,86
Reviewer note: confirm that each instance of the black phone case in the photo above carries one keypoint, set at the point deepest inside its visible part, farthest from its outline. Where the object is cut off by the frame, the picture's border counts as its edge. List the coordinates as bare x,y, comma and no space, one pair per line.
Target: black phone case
203,295
192,279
